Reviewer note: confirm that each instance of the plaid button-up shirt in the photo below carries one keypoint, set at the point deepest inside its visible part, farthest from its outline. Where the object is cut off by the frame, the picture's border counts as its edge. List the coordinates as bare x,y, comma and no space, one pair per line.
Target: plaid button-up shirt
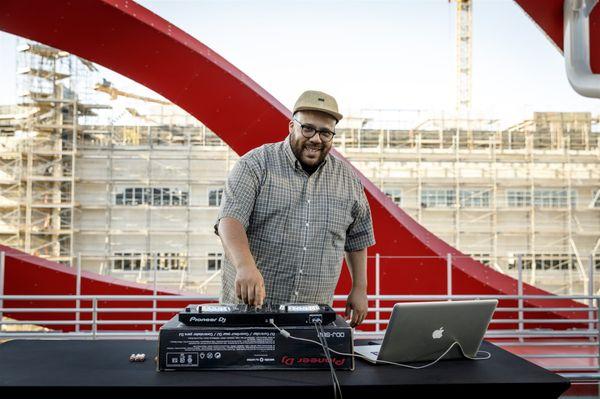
298,225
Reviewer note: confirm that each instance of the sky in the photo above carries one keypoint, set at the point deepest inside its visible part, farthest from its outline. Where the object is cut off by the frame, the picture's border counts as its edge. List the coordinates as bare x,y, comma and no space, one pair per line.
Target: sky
397,55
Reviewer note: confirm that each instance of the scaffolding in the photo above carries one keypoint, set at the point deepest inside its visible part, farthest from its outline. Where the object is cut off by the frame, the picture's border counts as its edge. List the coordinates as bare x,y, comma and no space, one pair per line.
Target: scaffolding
39,143
11,167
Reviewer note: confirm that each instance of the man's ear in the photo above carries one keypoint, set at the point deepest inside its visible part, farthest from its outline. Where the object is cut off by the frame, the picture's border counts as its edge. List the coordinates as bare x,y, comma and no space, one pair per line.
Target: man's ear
291,127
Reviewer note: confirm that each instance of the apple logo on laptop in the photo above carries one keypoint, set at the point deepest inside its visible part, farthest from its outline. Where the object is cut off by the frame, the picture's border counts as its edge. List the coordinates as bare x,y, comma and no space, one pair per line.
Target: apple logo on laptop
437,334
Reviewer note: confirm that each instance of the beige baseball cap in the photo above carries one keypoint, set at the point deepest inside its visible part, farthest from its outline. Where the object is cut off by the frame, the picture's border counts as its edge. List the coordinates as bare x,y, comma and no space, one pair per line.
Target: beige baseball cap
313,100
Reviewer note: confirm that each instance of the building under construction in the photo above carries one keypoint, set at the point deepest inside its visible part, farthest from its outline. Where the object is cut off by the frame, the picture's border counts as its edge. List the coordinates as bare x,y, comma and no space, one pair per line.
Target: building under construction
133,192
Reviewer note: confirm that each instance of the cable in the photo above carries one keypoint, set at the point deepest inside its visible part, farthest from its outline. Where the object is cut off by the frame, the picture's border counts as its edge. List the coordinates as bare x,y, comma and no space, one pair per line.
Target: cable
320,338
336,383
288,335
323,344
334,379
330,360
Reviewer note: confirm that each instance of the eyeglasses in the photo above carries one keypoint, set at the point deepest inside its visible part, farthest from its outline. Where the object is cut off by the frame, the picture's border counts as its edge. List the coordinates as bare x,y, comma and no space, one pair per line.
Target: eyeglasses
309,131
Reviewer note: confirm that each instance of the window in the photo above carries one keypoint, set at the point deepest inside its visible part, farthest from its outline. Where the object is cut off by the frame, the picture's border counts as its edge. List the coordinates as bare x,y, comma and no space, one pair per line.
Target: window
178,261
166,197
438,198
127,261
128,196
214,197
155,196
518,198
553,198
184,197
542,197
545,262
138,196
595,203
170,261
175,197
395,194
214,261
474,198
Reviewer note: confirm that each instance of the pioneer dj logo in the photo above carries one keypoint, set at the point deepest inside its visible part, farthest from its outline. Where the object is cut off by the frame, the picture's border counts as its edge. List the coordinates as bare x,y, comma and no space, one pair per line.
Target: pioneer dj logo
290,361
221,320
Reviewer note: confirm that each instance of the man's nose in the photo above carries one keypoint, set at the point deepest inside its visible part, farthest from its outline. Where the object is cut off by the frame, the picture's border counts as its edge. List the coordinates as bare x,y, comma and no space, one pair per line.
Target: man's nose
316,139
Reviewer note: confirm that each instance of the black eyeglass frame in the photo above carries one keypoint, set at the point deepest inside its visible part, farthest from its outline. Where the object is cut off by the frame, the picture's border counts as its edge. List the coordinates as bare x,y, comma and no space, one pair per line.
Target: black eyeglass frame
314,131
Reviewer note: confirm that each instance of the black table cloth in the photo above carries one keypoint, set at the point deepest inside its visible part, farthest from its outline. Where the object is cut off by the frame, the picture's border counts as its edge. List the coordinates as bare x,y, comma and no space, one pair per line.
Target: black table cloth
77,368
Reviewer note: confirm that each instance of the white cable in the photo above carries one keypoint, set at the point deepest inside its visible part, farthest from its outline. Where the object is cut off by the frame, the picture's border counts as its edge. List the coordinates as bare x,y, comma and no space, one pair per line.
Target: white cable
327,350
288,335
336,383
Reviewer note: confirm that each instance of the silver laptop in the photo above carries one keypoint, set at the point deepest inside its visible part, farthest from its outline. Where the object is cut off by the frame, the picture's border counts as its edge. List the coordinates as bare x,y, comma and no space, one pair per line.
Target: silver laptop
422,331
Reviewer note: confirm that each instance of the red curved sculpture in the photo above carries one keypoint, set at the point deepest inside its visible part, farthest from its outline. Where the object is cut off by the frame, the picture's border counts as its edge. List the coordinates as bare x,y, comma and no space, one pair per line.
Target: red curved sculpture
131,40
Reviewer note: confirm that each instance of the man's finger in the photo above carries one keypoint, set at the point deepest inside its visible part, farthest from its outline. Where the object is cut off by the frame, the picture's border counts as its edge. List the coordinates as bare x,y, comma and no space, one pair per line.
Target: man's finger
238,290
354,318
258,295
244,291
263,294
361,318
347,311
251,294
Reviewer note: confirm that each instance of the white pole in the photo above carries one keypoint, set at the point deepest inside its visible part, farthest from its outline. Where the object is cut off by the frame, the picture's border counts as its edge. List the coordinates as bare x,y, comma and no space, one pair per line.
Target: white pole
78,291
449,274
94,317
591,291
2,259
520,292
154,290
377,292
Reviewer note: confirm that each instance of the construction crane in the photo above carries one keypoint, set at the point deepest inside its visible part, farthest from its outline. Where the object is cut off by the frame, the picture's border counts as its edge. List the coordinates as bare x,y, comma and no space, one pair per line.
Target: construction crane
108,88
464,12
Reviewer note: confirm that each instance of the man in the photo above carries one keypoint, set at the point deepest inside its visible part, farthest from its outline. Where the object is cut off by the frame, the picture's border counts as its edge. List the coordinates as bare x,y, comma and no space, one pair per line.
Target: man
289,212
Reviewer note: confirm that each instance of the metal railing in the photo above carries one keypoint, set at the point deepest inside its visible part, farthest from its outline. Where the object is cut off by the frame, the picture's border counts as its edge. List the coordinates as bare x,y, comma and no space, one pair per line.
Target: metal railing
92,327
525,330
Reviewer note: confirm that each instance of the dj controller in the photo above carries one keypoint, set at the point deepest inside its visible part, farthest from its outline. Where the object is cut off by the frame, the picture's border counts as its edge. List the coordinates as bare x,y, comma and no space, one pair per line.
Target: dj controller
217,315
239,337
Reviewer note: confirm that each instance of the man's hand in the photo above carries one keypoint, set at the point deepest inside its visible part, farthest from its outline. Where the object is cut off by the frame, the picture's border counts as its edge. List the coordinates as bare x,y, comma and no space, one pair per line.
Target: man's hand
249,285
357,306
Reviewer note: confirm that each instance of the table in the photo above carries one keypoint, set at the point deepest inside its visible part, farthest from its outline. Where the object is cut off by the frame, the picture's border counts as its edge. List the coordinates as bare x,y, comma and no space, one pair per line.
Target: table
75,368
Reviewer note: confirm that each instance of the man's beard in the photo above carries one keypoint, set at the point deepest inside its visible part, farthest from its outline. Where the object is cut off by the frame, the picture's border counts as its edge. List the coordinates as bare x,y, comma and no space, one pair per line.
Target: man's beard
315,153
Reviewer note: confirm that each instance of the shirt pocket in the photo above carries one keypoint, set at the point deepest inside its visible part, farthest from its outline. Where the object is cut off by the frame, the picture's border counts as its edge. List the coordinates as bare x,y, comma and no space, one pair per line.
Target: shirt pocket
274,199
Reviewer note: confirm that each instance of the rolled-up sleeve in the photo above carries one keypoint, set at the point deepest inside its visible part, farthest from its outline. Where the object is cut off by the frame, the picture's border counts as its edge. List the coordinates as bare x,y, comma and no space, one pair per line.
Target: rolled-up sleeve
359,234
239,194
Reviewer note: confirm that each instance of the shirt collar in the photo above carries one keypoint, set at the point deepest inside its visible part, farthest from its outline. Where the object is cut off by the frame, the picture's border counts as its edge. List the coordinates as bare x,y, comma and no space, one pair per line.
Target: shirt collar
287,148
